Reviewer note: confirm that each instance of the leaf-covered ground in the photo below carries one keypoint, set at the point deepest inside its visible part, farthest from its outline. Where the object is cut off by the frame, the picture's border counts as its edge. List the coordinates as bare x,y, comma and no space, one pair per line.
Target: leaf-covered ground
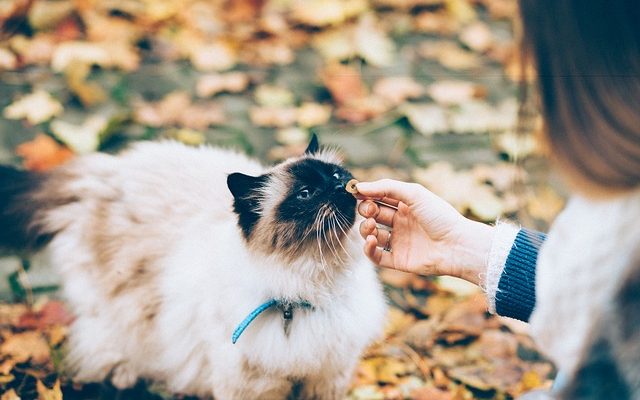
419,90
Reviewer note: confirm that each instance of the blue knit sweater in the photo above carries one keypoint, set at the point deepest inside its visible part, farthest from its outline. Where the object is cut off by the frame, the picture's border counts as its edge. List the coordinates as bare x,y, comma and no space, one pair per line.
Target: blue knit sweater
516,295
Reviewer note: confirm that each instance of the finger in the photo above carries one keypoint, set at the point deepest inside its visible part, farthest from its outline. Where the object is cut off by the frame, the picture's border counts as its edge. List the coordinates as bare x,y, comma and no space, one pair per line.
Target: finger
380,212
391,191
368,227
376,254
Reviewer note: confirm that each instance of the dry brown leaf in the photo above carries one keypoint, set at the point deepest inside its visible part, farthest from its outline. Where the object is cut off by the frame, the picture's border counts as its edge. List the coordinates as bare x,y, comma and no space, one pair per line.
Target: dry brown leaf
26,346
344,83
43,153
107,54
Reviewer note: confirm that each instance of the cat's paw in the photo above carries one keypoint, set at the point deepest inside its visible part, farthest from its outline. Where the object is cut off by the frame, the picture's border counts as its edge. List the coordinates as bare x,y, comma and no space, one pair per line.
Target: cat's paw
123,376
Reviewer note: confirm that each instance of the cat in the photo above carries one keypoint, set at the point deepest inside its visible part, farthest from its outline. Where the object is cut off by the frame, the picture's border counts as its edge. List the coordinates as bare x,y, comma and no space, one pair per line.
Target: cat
202,270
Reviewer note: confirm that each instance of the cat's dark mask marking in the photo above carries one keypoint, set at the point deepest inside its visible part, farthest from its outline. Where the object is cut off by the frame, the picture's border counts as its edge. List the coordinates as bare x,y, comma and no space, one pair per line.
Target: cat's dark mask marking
246,199
316,184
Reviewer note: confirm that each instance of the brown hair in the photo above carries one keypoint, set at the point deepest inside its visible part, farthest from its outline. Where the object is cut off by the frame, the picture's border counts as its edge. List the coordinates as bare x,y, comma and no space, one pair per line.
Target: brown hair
587,57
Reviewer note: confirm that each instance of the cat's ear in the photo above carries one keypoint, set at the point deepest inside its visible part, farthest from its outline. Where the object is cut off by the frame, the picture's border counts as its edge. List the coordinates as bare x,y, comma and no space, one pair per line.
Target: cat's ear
314,146
244,186
246,199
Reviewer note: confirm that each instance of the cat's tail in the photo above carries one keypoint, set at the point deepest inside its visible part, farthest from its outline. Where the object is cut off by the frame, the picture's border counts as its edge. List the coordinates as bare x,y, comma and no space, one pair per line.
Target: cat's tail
24,199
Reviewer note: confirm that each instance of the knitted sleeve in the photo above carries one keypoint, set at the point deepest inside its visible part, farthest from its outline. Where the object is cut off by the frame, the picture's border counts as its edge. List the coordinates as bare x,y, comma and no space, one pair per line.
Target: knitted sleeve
511,271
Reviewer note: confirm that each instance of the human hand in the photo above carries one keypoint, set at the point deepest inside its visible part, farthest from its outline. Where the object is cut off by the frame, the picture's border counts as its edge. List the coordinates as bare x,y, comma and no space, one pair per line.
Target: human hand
410,229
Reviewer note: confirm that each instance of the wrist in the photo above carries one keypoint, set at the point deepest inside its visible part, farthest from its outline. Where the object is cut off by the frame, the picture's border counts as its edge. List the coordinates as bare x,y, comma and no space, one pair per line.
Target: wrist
469,253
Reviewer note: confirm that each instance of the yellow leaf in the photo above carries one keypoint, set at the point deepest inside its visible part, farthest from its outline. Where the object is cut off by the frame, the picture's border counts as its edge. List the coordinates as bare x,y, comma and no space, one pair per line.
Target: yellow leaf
313,114
10,395
45,393
36,107
273,96
26,346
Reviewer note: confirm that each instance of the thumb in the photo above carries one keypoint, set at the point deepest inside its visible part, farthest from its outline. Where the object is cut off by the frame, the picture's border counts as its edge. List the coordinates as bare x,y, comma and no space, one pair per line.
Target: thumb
389,189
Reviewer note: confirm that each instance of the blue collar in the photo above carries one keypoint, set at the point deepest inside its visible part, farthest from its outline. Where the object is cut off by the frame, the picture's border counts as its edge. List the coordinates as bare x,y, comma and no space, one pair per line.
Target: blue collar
286,306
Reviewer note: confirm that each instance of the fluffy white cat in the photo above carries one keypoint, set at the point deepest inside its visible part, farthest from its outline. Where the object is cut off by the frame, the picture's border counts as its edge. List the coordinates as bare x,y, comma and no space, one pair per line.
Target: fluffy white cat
166,249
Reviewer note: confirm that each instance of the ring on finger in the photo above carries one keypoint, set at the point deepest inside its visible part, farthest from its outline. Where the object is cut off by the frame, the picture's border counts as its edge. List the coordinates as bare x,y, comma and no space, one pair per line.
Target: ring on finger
387,246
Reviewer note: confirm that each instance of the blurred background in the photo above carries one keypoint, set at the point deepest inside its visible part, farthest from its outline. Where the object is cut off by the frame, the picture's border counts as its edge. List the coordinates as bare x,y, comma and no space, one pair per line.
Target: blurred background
421,90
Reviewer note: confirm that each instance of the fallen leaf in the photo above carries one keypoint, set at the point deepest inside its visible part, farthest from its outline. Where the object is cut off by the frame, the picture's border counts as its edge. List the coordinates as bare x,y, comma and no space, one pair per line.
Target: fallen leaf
212,84
344,83
397,89
188,136
214,56
10,395
26,346
106,54
43,153
273,96
89,93
450,92
545,204
313,114
431,393
326,12
52,313
372,44
426,118
8,60
449,54
477,36
517,146
292,136
36,107
461,10
45,393
440,23
83,138
278,117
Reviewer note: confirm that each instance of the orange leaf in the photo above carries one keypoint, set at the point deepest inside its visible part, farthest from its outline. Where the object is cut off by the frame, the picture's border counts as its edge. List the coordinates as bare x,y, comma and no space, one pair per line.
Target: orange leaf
43,153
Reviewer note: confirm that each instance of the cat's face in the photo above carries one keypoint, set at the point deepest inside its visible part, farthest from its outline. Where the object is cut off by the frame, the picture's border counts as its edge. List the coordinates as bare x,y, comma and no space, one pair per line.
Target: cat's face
300,205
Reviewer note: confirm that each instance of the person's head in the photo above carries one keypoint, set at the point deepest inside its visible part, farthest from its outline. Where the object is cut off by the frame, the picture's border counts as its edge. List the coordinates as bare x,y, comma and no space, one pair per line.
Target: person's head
587,57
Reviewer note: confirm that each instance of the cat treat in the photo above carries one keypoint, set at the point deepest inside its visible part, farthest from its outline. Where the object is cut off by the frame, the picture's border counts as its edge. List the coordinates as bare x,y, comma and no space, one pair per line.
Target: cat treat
351,186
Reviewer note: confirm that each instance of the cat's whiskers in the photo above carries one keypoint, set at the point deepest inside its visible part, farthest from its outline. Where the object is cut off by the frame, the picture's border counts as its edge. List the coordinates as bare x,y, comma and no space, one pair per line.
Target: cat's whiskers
336,226
340,219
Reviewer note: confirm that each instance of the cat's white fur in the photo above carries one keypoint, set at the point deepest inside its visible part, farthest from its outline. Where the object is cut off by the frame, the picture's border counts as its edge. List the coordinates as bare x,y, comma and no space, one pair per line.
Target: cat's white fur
158,274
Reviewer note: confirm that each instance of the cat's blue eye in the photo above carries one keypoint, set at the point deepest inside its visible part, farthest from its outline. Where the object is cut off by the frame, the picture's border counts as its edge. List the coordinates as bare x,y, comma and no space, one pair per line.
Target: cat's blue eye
304,194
